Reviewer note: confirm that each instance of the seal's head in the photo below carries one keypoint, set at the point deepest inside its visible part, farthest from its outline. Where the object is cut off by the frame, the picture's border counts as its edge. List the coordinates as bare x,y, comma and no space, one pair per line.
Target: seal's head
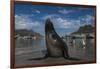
48,25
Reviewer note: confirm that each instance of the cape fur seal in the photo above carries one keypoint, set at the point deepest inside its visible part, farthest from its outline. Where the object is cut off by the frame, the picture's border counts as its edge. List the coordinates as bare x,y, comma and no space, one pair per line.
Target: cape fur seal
56,47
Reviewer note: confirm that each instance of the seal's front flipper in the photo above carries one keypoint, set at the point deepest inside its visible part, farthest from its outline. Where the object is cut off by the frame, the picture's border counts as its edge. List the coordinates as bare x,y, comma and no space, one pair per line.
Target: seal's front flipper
39,58
72,58
65,53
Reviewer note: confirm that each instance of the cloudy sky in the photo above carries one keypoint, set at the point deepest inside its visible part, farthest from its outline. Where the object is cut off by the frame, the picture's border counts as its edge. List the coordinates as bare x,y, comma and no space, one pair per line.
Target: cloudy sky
66,19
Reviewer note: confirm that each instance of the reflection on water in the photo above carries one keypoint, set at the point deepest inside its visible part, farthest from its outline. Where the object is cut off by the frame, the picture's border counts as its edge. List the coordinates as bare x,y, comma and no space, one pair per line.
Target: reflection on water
29,45
24,43
37,48
80,48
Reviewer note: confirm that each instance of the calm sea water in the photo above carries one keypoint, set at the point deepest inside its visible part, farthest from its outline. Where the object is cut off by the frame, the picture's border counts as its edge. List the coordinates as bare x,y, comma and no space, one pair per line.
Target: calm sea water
29,48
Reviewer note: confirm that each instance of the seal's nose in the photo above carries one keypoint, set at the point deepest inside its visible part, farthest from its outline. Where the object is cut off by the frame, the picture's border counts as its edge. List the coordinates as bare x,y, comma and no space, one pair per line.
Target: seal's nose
48,21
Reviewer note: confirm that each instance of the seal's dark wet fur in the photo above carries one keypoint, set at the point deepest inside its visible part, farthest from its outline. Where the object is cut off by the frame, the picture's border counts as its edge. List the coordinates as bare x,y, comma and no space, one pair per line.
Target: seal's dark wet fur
56,47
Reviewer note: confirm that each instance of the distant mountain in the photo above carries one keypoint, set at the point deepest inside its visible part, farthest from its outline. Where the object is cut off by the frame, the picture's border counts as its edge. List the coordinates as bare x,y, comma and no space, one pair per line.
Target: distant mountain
84,29
25,32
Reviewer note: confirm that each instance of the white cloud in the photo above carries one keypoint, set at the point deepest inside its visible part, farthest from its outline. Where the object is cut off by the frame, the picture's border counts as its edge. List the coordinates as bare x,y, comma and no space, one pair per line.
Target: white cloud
37,11
61,22
50,16
88,19
25,22
64,11
65,23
